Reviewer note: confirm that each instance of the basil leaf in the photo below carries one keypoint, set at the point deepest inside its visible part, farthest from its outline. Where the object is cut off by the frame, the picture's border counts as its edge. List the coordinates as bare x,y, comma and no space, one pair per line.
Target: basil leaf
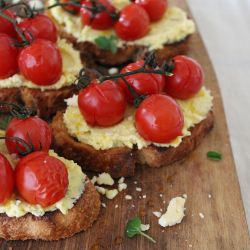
213,155
107,43
4,121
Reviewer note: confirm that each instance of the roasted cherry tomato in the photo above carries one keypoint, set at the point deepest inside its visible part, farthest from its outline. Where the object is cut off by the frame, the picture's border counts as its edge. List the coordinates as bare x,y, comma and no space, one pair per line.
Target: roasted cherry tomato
6,179
39,26
142,83
41,62
154,8
8,57
133,23
102,104
101,20
6,26
32,130
187,78
72,8
41,179
159,119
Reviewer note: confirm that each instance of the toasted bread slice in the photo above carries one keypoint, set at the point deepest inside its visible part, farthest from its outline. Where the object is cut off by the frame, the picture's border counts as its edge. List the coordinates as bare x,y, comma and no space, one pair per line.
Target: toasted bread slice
54,225
123,160
45,103
91,54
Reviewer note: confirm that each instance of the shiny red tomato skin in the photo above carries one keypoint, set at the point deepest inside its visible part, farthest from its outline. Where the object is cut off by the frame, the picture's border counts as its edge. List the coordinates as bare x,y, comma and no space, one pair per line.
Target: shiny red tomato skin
39,27
187,79
102,104
41,179
154,8
41,62
159,119
142,83
7,27
6,179
31,129
73,8
133,23
102,20
9,54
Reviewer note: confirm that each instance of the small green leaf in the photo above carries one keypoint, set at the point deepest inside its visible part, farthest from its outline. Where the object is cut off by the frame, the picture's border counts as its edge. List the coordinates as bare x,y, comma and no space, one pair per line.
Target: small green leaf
133,228
4,121
107,43
213,155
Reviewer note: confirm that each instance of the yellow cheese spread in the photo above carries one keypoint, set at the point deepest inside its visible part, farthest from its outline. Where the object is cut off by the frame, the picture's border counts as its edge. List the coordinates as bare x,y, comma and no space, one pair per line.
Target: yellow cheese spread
173,27
16,207
125,134
71,67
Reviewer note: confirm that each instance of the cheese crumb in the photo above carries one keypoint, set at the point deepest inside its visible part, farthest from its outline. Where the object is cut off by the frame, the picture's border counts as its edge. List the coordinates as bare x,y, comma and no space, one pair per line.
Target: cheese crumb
103,205
184,196
72,101
175,212
135,182
138,189
157,214
100,190
190,245
113,71
122,186
201,215
93,180
145,227
111,194
121,180
105,179
161,195
128,197
144,196
209,196
116,206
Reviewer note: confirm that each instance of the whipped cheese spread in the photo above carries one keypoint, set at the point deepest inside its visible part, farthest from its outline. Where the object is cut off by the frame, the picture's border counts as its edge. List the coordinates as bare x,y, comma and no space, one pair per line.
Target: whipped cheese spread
124,133
71,67
16,207
173,27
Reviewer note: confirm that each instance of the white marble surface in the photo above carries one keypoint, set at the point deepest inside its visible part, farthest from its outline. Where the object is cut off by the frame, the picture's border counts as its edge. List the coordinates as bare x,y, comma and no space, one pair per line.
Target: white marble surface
225,28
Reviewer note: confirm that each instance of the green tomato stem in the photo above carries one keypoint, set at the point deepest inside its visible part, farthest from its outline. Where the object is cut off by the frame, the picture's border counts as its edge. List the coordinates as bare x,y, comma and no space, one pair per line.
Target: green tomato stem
148,237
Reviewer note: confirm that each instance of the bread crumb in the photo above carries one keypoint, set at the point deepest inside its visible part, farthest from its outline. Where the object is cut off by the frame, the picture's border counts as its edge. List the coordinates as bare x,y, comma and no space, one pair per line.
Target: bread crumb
111,194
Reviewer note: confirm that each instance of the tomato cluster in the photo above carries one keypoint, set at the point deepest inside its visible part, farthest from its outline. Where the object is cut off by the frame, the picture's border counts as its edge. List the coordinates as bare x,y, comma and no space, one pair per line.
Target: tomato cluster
39,60
158,117
38,177
102,15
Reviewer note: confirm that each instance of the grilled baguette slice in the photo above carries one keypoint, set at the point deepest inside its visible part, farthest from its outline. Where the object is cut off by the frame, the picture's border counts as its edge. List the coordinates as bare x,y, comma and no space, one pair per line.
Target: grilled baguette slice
54,225
122,161
45,103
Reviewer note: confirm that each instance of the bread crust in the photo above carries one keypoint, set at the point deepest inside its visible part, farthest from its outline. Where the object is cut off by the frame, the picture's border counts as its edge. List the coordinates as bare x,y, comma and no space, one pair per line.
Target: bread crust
122,161
45,103
92,55
54,225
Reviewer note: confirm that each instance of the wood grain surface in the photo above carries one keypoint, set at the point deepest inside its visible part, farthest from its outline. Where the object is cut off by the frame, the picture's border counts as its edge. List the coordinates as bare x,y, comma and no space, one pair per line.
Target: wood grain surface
224,224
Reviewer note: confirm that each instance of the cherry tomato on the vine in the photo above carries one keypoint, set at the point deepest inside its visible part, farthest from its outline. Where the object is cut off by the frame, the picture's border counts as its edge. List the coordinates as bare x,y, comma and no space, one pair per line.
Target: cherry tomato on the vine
187,78
102,104
6,179
6,26
73,8
39,26
133,23
41,62
142,83
154,8
159,119
32,130
41,179
101,20
8,57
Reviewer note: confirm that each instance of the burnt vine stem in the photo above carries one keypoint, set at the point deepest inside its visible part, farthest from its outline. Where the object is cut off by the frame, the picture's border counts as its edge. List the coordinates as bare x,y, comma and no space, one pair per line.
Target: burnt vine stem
16,110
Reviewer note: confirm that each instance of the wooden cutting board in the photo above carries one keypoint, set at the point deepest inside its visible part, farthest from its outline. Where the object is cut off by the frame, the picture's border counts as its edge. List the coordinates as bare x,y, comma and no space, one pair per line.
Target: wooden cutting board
212,189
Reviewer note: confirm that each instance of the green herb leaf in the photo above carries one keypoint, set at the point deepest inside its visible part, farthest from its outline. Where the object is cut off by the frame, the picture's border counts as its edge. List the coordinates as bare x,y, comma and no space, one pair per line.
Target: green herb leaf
133,228
213,155
107,43
4,121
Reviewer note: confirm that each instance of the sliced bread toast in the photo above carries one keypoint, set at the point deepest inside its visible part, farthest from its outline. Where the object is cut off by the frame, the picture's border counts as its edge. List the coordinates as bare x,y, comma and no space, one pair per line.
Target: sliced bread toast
54,225
122,161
